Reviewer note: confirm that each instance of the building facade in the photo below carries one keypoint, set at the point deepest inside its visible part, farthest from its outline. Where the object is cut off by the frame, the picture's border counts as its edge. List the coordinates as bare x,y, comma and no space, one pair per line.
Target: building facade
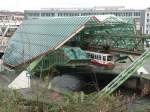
140,16
7,16
9,21
147,21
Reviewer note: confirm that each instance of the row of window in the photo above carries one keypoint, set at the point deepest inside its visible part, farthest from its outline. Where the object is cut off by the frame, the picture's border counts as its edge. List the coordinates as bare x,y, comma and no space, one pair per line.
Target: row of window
100,57
33,14
68,14
47,14
85,14
42,14
111,13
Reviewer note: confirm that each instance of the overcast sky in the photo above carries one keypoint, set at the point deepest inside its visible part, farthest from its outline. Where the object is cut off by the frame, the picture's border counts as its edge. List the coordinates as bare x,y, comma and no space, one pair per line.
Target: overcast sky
20,5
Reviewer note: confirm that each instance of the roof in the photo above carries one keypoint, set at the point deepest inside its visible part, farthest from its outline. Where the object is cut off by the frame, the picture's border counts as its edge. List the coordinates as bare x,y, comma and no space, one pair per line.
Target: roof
38,36
111,19
74,53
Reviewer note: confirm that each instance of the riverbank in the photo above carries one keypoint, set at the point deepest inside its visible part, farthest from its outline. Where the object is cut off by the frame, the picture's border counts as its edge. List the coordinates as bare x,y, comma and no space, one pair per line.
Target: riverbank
13,101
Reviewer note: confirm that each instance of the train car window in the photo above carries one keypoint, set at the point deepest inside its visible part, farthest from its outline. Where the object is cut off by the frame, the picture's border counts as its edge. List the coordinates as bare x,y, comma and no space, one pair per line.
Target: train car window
104,58
95,56
110,58
99,57
92,55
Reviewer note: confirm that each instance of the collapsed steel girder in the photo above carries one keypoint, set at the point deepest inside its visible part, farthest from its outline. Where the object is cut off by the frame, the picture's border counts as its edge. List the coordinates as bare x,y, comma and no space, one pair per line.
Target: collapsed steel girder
113,38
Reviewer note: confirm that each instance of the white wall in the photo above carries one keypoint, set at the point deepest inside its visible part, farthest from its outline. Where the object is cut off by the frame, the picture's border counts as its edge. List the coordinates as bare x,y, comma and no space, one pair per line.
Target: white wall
147,22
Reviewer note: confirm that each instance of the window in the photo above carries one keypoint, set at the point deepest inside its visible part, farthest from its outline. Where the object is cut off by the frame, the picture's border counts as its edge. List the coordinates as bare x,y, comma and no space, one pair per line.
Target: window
147,14
147,20
136,13
130,13
70,14
110,58
99,57
104,58
92,55
52,14
147,31
139,14
43,14
67,14
59,14
30,14
119,14
64,14
116,14
76,14
36,14
47,14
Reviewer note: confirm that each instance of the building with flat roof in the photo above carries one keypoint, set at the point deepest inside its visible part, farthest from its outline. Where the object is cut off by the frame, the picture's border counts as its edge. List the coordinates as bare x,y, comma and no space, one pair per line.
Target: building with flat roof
7,15
141,16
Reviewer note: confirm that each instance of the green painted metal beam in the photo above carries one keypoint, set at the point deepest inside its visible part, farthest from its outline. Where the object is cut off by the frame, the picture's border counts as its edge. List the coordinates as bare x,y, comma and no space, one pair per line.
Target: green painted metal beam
61,57
123,42
34,64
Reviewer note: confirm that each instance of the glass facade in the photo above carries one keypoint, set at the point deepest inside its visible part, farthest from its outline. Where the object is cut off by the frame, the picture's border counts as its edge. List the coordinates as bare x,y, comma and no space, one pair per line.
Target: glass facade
121,13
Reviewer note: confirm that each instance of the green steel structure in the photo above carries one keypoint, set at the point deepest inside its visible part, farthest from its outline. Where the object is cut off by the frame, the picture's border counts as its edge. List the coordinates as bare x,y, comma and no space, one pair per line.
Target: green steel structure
63,56
37,37
111,32
44,43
